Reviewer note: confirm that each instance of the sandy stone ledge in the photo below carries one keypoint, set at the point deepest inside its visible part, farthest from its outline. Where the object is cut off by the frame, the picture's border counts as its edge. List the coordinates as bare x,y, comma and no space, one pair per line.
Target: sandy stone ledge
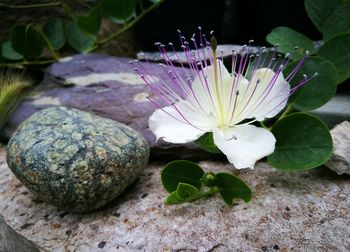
306,211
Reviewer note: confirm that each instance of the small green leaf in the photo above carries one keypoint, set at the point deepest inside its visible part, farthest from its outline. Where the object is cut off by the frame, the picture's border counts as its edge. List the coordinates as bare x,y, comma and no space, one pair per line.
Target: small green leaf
206,142
18,39
79,40
181,171
303,142
318,91
27,41
36,42
331,17
232,187
91,24
337,51
173,199
185,191
54,31
120,10
288,39
9,53
209,179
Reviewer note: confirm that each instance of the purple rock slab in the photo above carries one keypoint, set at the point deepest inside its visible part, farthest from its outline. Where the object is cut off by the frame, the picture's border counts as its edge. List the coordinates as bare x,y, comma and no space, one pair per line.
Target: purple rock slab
106,86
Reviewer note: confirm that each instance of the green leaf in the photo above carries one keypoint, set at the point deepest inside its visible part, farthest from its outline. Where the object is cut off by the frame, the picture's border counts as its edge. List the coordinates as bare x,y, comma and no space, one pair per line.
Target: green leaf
36,42
9,53
337,51
120,10
18,39
303,142
54,31
232,187
331,17
79,40
27,41
181,171
288,39
318,91
319,10
91,24
206,142
173,199
209,179
186,191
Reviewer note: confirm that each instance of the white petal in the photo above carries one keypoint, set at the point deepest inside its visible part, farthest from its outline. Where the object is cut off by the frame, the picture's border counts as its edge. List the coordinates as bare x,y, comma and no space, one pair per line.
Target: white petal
261,99
205,88
244,145
174,130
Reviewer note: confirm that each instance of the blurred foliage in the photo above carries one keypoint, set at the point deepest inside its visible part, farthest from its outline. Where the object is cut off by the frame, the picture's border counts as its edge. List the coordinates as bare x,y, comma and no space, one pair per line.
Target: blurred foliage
13,87
41,43
303,141
332,19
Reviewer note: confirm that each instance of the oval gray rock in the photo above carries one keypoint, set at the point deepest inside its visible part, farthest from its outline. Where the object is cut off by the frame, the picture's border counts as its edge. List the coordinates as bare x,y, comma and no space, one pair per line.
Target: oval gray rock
76,160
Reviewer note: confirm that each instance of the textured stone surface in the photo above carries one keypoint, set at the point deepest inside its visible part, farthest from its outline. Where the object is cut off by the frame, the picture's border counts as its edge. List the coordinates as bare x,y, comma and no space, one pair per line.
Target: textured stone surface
12,241
181,57
307,211
340,161
74,159
106,86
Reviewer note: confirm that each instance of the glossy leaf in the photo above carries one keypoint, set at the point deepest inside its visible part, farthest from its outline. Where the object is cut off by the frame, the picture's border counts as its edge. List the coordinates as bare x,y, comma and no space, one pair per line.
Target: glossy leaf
79,40
18,39
331,17
173,199
91,24
337,51
186,191
9,53
181,171
318,91
120,10
303,142
27,41
36,42
54,31
288,39
206,142
232,187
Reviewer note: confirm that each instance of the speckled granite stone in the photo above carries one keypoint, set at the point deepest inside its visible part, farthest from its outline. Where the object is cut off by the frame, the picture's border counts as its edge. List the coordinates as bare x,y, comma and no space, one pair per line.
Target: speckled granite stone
76,160
304,211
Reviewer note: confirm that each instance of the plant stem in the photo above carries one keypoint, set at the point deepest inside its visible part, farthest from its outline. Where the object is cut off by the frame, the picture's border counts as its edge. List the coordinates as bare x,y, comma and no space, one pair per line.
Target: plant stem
69,11
262,124
286,112
40,5
127,25
211,192
22,63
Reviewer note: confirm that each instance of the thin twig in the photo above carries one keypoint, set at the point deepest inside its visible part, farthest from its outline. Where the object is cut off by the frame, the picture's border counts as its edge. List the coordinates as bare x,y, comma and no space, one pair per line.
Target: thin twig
40,5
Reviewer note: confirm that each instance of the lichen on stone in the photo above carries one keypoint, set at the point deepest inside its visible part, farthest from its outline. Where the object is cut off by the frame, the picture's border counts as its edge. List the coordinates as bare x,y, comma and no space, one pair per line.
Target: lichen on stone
76,160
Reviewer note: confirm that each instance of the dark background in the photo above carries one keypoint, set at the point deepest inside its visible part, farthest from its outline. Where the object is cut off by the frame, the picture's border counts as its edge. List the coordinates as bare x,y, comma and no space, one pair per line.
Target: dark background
234,21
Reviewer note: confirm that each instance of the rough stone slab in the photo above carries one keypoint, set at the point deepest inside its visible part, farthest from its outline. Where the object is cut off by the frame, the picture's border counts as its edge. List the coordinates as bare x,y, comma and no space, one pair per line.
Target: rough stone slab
340,161
306,211
181,57
106,86
12,241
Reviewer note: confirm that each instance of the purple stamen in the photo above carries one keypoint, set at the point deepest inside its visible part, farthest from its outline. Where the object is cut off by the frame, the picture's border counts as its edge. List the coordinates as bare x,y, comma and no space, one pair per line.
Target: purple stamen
209,100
